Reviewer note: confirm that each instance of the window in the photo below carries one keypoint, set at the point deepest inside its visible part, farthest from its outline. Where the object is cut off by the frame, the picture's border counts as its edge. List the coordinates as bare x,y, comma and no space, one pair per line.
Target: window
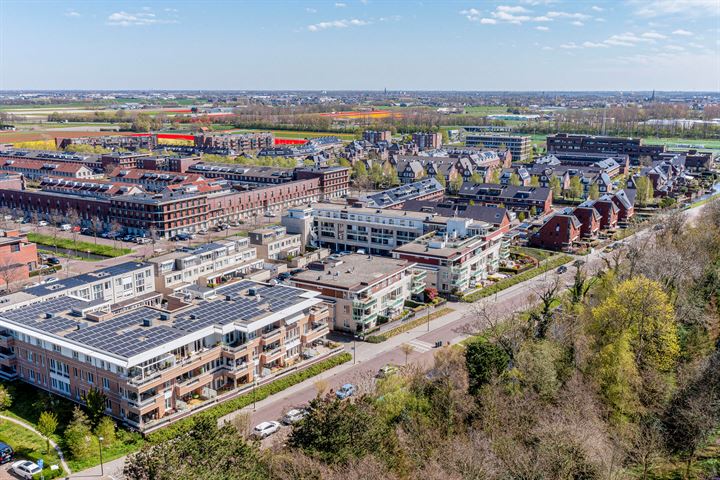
90,378
106,383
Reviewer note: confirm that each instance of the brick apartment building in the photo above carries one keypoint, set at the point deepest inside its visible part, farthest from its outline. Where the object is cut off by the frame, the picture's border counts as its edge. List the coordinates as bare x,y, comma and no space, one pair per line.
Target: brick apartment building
377,136
519,145
559,232
153,360
18,257
334,181
427,140
37,169
238,143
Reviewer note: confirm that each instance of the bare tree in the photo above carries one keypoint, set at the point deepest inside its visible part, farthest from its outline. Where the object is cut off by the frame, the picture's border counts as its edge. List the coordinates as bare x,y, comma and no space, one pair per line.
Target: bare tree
407,349
10,272
5,212
97,225
73,218
548,295
115,229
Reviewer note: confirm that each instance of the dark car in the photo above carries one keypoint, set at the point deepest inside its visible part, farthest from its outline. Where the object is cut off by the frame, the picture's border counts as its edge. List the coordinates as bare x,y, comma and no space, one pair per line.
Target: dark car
562,269
53,261
284,276
6,453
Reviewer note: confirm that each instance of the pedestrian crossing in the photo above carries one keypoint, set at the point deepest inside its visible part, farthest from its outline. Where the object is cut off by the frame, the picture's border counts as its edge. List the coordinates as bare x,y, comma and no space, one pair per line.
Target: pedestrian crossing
420,346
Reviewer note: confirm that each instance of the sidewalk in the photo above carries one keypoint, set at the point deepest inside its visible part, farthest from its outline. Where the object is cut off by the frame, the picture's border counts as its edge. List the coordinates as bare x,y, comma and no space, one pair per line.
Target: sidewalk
32,429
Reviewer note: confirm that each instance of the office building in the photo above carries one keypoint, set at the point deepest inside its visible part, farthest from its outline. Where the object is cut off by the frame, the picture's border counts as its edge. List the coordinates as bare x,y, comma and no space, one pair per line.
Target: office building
519,146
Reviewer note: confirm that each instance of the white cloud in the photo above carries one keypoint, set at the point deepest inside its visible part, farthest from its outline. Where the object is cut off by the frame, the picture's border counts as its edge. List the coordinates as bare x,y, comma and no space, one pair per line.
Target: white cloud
570,46
599,19
593,45
627,39
488,21
675,48
574,16
511,9
472,14
654,35
695,45
542,28
577,23
171,10
682,33
596,8
142,19
311,10
340,5
689,8
72,13
547,48
337,24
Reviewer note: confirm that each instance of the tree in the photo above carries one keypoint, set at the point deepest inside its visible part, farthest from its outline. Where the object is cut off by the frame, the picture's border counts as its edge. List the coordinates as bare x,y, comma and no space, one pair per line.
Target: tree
95,403
207,451
336,431
441,179
115,228
581,285
477,178
576,188
5,398
555,186
47,424
73,218
494,176
78,435
594,192
106,429
407,349
456,184
515,180
484,361
97,225
645,192
534,181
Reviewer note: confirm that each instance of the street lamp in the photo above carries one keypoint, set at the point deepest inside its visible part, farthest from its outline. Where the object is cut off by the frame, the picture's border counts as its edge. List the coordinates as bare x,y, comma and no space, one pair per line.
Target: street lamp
102,469
254,396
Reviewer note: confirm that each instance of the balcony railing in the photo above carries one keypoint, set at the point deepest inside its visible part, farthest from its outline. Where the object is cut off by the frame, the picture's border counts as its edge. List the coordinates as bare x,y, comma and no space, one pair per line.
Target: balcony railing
271,335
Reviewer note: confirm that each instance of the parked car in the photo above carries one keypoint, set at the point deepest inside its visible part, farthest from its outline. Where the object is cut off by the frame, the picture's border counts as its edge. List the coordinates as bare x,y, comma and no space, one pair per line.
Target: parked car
181,237
345,391
296,271
53,261
562,269
142,240
51,280
387,370
6,453
270,214
65,227
203,231
26,469
265,429
360,251
31,285
8,217
293,416
42,223
284,276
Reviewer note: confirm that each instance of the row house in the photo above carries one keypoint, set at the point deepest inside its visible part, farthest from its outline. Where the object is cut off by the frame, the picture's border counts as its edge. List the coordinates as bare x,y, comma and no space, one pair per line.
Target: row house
513,197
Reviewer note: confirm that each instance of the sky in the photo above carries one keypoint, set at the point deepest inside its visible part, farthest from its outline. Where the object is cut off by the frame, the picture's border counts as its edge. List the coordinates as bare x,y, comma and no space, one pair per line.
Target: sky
538,45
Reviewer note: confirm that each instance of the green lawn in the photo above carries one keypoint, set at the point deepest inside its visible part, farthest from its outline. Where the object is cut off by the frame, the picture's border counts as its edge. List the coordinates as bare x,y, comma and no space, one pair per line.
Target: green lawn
80,247
536,253
28,445
486,110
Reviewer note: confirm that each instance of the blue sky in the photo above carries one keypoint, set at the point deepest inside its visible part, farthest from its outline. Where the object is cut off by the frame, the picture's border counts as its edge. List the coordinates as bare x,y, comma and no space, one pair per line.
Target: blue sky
361,44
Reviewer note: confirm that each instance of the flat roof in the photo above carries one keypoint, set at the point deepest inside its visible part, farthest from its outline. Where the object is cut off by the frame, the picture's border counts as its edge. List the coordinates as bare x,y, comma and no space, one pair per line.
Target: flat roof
353,272
79,280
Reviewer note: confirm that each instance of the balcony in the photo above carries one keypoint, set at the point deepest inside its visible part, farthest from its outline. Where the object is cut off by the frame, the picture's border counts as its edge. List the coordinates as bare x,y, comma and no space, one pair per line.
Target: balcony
364,303
271,355
318,331
7,359
6,340
236,351
319,313
270,337
395,302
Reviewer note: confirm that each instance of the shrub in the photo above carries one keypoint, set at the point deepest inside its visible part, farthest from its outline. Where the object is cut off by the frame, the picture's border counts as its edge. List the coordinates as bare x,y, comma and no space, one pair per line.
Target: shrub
104,250
408,326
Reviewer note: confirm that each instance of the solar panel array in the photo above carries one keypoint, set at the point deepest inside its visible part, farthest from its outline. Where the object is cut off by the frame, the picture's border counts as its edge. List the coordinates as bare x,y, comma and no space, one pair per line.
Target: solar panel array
125,335
35,315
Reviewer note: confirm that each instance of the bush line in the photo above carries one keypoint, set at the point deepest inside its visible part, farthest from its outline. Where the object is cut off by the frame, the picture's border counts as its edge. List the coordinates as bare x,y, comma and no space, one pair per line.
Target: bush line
550,264
181,427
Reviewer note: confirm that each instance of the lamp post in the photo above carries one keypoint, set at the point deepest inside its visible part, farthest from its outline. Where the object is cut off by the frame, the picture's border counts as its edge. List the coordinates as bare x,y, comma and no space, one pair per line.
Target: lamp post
427,310
254,389
354,349
102,469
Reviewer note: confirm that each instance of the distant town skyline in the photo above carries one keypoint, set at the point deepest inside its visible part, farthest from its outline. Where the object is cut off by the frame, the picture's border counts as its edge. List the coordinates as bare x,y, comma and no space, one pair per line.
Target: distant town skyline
526,45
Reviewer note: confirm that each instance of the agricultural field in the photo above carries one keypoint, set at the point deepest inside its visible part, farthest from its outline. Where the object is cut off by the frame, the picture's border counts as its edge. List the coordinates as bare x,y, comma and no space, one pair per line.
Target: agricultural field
486,110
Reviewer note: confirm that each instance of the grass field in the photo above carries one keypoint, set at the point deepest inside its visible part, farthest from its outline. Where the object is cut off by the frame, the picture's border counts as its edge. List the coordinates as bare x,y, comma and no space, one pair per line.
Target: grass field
486,110
28,445
79,246
299,134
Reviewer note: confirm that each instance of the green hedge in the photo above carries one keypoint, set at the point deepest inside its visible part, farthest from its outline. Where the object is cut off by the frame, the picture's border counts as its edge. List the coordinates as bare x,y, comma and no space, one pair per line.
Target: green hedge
408,326
82,247
546,266
44,271
183,426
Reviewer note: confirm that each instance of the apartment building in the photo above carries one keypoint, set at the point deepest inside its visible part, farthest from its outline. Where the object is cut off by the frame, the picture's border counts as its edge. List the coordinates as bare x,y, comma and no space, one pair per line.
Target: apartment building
343,228
153,180
377,136
457,259
251,175
275,243
208,264
238,143
90,161
396,197
18,257
519,145
334,181
362,288
578,143
516,198
427,140
559,232
123,160
37,169
153,364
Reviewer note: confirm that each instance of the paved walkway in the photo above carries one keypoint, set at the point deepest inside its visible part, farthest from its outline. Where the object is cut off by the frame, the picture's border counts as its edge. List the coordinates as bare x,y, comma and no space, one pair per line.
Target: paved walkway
32,429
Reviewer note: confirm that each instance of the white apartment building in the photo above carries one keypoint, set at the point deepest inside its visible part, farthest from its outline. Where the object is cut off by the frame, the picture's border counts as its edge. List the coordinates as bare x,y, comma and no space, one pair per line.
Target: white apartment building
275,243
211,263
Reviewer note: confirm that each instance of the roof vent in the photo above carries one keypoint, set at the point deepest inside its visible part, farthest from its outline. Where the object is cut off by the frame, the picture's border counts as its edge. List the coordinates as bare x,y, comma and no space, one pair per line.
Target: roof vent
252,292
147,322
